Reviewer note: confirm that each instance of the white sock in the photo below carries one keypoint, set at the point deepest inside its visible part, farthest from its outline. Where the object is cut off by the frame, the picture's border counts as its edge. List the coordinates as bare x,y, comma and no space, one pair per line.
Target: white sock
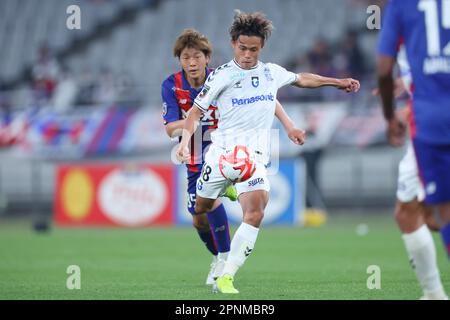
422,254
242,244
221,259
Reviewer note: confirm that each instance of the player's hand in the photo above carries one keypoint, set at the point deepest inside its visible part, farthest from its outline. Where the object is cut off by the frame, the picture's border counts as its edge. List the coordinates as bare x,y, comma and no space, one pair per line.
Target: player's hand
348,85
297,136
183,153
396,132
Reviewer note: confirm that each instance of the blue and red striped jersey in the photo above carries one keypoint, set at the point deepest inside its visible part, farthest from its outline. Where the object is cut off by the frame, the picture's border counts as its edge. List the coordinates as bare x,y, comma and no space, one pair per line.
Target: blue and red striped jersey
178,97
424,28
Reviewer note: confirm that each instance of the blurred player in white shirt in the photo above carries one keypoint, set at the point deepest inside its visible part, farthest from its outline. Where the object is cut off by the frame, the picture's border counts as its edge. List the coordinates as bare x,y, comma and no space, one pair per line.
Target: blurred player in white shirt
245,92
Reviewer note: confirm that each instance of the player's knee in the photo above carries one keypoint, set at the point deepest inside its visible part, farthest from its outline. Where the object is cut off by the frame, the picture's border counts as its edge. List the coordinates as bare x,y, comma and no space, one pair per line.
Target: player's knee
202,207
200,222
253,217
406,212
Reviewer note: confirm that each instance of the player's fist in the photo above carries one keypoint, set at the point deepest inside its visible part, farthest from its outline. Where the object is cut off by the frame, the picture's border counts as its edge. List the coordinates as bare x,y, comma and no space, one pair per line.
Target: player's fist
297,136
348,85
182,153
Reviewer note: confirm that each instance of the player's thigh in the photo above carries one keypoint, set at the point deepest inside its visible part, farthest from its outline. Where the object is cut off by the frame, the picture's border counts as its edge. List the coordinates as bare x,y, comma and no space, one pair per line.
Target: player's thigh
409,186
258,181
211,184
191,191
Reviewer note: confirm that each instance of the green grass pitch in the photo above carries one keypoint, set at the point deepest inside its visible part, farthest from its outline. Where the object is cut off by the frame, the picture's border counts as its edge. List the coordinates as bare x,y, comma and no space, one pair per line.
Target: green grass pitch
329,262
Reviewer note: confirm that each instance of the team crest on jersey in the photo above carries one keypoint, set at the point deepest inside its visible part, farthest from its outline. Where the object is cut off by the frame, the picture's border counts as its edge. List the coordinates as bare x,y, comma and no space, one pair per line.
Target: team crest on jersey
255,82
204,91
268,74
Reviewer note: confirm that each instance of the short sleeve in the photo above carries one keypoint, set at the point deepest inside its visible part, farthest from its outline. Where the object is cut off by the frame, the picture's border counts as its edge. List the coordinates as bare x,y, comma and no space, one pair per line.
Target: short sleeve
391,34
282,76
214,85
170,112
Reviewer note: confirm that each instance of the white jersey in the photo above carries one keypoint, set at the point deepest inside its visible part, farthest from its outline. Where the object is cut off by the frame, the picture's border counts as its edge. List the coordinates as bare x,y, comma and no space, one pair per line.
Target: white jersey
246,101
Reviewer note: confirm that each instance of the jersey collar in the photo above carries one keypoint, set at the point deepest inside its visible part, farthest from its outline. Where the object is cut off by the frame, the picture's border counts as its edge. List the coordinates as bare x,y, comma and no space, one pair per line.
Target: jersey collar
237,65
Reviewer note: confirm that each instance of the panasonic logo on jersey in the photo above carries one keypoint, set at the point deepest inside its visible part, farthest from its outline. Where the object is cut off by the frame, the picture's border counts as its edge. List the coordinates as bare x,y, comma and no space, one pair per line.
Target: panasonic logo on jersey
245,101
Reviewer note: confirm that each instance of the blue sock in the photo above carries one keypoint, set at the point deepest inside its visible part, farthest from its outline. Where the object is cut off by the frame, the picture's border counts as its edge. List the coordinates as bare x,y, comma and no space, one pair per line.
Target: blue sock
445,234
218,222
208,240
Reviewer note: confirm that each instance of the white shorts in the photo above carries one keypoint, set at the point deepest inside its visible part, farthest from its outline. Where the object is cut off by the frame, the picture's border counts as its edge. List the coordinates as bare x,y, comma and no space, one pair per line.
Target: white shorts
409,185
211,184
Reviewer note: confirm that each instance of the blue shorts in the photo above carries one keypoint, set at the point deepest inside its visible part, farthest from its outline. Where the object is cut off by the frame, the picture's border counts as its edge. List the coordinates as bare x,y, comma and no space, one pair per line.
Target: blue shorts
191,190
433,162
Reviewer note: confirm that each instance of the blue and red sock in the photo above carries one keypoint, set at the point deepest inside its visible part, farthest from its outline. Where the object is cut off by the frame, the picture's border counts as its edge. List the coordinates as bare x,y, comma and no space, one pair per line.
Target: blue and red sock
218,221
445,234
209,242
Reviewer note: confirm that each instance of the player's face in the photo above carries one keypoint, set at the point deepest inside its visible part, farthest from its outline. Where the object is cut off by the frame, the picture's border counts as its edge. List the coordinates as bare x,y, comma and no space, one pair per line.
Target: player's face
193,62
246,50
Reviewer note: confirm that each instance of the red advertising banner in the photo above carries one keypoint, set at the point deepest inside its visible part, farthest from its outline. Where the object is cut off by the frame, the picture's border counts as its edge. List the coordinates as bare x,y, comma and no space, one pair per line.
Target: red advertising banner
115,195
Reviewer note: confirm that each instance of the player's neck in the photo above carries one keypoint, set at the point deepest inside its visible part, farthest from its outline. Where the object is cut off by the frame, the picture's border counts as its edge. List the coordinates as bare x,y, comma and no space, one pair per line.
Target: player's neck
196,83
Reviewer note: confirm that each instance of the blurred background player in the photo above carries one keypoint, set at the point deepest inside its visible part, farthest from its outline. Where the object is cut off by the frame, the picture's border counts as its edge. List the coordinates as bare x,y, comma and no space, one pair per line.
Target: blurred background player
178,92
240,87
413,219
424,28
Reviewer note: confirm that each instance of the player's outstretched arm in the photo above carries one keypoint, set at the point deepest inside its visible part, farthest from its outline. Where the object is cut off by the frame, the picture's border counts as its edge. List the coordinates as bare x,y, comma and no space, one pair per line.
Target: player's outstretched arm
190,124
311,80
296,135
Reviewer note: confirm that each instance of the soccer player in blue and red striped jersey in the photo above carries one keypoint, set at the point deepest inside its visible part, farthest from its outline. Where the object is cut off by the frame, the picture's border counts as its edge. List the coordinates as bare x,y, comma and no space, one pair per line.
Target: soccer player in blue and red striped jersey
178,93
423,26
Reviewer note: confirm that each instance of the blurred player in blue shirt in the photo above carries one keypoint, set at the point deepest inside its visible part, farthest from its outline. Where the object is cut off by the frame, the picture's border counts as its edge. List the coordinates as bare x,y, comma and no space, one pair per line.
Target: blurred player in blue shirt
423,27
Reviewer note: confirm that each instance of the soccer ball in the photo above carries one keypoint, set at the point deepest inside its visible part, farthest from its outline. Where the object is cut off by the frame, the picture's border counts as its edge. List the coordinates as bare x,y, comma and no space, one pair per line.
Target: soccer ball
237,164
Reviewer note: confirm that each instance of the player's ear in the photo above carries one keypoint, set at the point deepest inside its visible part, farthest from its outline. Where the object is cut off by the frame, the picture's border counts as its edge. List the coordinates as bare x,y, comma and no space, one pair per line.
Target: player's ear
208,58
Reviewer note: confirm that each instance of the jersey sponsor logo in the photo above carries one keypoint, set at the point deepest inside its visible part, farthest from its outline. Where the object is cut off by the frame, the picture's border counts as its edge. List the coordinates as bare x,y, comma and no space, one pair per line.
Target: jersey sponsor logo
204,91
182,101
256,181
237,76
255,82
244,101
431,188
179,89
267,74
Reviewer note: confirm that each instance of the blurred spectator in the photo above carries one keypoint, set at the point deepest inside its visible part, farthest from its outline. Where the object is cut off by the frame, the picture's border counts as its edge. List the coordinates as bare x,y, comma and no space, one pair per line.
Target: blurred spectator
65,92
354,58
317,60
105,91
45,74
86,87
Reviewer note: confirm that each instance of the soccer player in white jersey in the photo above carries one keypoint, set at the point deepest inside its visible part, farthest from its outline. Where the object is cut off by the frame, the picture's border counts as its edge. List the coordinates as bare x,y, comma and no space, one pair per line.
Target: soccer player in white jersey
245,91
412,217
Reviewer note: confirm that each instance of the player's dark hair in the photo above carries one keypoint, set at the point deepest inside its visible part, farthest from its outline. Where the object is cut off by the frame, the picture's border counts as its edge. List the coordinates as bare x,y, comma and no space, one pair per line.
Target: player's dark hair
191,38
250,24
